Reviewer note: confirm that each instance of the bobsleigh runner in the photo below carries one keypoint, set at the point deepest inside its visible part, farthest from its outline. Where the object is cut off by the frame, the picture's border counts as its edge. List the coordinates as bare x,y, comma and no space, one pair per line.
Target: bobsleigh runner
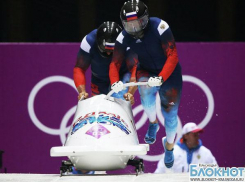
102,136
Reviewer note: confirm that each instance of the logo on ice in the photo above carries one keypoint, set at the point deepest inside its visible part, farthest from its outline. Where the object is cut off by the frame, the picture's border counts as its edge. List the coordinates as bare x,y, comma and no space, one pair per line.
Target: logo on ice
211,172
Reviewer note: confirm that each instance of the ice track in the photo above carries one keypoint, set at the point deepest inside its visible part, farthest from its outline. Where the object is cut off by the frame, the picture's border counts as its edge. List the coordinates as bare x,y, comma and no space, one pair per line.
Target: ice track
147,177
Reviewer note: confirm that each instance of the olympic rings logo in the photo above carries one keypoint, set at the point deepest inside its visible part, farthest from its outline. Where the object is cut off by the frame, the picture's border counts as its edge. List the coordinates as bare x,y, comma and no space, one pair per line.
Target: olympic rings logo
63,130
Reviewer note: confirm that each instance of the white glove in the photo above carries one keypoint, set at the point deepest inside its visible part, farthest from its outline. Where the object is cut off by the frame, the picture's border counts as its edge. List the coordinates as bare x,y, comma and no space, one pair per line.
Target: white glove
117,86
155,81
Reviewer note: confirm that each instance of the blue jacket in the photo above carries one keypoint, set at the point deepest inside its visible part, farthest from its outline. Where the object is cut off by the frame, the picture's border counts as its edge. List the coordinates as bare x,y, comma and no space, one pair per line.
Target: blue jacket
89,55
154,50
189,151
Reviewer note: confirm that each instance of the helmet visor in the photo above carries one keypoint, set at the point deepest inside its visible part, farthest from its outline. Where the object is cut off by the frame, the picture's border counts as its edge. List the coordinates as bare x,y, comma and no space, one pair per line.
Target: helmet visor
134,26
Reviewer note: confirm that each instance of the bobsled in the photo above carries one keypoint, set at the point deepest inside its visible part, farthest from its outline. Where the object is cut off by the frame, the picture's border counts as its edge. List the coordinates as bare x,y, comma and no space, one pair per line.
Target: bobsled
102,136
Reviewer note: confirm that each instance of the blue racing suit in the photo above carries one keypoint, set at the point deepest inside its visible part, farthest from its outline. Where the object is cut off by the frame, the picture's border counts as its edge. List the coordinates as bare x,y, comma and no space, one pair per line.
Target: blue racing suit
157,56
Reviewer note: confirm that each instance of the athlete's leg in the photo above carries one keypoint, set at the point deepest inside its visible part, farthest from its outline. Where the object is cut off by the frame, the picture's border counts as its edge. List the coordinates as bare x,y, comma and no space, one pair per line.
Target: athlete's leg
170,98
170,93
148,101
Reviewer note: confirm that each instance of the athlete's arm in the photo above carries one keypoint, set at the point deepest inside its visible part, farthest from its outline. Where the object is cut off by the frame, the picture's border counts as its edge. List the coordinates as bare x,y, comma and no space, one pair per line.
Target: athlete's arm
117,59
82,64
169,47
132,63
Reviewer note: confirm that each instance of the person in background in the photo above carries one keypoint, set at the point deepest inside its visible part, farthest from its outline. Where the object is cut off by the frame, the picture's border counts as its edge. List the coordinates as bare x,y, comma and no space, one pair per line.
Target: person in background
188,150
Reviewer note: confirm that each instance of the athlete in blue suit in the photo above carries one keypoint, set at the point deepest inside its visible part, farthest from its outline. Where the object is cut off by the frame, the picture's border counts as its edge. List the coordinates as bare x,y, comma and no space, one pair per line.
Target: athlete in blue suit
152,40
96,50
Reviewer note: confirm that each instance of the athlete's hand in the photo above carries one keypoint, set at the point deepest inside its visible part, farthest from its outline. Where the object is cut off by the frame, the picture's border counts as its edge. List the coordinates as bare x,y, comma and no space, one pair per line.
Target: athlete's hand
155,81
129,97
82,94
117,86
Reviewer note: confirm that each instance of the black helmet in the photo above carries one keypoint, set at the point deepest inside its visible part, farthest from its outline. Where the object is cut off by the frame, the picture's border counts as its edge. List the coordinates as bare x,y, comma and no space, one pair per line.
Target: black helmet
106,37
134,16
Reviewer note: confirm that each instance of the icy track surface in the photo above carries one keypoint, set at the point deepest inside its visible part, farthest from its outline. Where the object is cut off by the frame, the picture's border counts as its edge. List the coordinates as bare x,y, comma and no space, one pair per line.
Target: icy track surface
171,177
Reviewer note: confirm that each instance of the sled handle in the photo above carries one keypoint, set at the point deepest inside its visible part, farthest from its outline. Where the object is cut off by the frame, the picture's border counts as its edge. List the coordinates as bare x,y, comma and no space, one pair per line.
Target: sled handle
126,85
